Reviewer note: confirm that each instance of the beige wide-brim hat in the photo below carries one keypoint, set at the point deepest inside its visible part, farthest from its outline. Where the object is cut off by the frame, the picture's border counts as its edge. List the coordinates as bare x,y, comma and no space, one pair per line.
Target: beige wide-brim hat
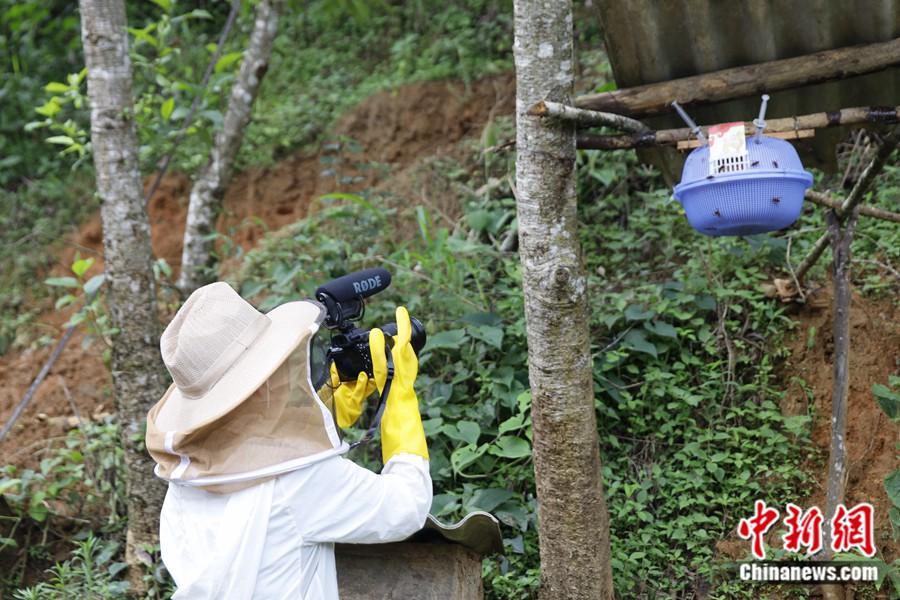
220,350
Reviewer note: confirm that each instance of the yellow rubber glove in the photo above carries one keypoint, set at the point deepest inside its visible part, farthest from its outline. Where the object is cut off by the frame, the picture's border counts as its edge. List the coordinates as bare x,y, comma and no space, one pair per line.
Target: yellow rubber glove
349,397
401,424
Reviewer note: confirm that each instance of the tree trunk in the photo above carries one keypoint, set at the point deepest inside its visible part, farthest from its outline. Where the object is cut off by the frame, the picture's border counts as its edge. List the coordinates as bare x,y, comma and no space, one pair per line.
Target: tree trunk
209,188
573,522
836,486
137,371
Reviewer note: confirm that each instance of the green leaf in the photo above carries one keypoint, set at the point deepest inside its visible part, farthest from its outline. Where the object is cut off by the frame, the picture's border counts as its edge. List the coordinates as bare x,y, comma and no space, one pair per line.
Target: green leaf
198,13
166,5
488,334
479,219
228,60
55,87
509,446
469,431
892,486
662,329
62,140
488,499
888,400
6,542
69,282
166,109
636,312
80,266
37,508
511,424
64,301
7,484
636,340
93,284
451,338
463,457
144,36
49,109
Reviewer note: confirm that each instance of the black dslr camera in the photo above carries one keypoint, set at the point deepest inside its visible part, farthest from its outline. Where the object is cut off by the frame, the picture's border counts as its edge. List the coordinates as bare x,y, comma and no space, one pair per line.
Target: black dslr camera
343,300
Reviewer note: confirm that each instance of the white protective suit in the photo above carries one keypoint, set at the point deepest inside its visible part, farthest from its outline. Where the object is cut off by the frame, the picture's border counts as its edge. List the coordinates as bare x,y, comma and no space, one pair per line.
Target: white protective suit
259,491
275,540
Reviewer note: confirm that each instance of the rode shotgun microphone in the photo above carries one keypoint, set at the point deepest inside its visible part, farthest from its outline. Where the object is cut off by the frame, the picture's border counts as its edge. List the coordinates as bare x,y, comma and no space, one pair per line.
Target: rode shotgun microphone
343,297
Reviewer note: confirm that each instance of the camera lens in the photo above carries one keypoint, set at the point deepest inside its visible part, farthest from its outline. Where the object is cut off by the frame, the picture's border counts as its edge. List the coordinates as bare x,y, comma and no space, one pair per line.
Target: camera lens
417,337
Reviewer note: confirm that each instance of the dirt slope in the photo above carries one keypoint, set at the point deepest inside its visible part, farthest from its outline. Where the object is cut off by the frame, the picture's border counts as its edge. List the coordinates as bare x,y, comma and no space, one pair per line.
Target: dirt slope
389,131
871,437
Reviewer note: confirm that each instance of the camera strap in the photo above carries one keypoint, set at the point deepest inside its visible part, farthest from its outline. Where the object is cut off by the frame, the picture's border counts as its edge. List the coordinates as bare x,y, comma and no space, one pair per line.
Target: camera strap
382,403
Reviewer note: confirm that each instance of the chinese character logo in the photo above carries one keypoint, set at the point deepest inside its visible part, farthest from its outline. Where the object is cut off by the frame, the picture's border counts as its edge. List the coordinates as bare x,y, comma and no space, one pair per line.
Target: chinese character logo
755,527
804,529
852,528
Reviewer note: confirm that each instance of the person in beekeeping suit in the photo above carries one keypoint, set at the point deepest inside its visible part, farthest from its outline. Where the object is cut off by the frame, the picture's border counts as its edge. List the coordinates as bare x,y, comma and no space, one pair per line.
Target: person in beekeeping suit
259,491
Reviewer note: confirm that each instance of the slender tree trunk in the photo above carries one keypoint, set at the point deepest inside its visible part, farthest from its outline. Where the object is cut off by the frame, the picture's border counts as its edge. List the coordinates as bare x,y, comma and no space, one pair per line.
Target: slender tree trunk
137,371
573,521
836,486
209,188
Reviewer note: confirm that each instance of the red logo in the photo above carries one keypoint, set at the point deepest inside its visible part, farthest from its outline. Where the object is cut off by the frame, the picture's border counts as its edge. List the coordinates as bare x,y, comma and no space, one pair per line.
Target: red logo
850,528
804,529
756,527
854,528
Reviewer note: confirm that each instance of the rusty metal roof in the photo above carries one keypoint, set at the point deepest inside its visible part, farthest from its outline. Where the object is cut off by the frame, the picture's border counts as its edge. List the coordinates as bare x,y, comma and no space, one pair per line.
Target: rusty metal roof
657,40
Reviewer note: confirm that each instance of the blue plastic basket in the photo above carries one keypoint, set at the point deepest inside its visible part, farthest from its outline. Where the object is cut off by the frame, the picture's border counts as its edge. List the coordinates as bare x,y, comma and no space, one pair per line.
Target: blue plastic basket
765,193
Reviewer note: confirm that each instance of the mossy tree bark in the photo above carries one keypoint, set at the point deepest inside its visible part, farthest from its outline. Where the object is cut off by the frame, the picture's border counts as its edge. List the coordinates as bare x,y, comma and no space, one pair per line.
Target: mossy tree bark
137,369
573,520
209,188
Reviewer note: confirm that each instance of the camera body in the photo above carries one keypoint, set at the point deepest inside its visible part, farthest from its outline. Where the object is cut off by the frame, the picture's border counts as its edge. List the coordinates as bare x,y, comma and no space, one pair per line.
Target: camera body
343,299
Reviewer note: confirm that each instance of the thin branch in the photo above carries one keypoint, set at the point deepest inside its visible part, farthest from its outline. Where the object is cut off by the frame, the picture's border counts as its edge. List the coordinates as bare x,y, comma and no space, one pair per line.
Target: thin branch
586,118
32,389
824,199
888,144
45,370
878,263
814,255
669,137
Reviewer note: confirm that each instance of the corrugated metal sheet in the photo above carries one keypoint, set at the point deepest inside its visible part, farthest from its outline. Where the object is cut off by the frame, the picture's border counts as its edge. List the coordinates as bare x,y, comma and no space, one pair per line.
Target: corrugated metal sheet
657,40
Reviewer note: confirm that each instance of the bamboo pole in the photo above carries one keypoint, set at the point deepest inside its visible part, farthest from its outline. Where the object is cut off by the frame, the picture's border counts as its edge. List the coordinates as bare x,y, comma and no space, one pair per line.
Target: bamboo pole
847,116
587,118
737,82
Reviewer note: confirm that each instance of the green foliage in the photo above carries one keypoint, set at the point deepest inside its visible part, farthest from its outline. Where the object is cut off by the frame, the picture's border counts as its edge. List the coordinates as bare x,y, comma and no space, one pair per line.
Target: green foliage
85,291
83,478
331,55
39,42
889,400
78,482
876,243
92,572
32,219
166,75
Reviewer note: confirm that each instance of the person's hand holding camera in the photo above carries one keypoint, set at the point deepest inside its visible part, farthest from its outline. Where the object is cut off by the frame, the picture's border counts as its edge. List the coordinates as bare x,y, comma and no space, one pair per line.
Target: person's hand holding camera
401,425
350,397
